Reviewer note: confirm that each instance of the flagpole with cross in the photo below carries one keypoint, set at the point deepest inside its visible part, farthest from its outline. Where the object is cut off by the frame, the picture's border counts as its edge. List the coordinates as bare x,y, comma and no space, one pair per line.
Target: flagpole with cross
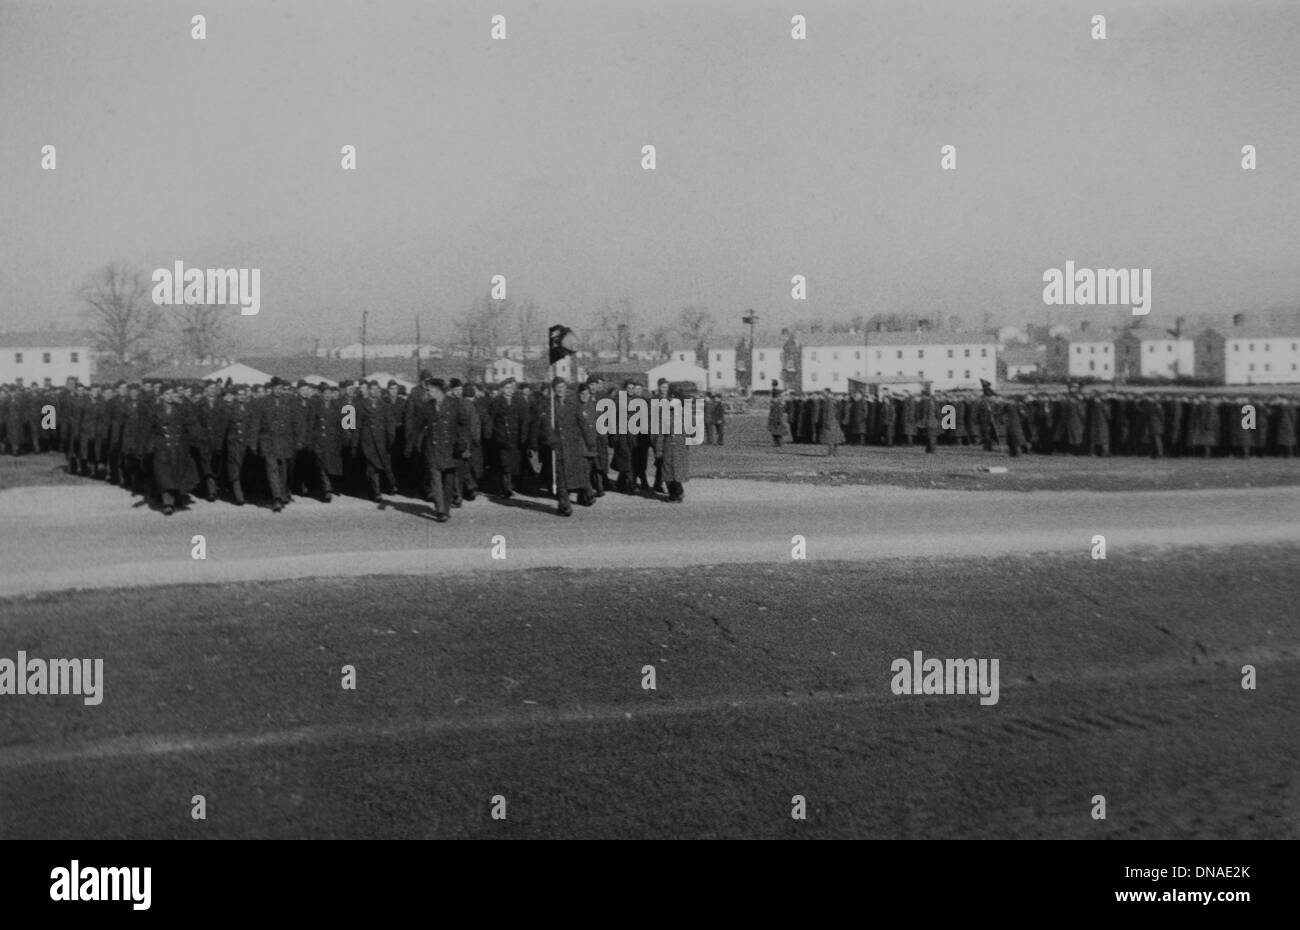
561,342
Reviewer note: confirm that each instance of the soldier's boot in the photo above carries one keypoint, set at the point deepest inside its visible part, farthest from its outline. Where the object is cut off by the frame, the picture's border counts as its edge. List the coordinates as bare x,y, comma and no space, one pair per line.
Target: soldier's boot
210,484
562,497
507,486
676,492
237,489
598,483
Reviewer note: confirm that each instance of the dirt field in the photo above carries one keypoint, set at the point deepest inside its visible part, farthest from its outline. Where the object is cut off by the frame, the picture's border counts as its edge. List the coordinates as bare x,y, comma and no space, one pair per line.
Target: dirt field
1119,678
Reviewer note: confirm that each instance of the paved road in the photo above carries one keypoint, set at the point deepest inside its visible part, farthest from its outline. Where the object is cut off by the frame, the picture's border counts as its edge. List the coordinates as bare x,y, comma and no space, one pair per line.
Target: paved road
96,537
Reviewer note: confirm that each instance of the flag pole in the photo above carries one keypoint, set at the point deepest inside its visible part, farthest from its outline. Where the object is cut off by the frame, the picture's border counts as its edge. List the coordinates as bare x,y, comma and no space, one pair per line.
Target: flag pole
554,477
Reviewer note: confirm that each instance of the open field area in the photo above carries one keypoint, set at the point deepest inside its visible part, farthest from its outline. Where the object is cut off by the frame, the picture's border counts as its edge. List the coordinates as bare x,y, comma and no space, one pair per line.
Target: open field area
522,677
1119,678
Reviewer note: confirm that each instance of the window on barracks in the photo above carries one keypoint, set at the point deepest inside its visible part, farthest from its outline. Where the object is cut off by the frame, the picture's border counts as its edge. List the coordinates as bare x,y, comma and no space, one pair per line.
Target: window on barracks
45,357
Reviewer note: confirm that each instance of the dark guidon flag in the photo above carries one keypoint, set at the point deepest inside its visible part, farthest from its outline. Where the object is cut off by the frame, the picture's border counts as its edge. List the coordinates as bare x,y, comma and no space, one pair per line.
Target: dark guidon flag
563,342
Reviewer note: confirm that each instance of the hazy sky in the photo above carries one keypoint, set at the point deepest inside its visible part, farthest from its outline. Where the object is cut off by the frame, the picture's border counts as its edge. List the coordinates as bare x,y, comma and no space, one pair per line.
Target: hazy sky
775,157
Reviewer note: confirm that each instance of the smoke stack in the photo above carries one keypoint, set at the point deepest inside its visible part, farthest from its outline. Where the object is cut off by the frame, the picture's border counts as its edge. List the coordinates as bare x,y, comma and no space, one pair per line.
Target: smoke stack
624,342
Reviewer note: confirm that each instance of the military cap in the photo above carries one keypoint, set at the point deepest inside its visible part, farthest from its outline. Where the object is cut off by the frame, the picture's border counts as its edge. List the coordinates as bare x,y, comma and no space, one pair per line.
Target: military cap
556,381
454,382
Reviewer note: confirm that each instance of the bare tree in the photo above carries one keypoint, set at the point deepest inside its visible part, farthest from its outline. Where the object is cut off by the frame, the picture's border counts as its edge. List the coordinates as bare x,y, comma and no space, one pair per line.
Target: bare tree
696,326
526,319
616,322
199,331
120,310
661,341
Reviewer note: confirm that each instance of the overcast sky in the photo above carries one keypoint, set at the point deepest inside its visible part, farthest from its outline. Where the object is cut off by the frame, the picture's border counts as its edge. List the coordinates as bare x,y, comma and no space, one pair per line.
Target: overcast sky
775,157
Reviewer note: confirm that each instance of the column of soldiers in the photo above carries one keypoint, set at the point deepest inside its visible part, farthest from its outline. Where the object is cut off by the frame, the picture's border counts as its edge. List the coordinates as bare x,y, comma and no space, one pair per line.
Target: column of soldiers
1099,423
444,442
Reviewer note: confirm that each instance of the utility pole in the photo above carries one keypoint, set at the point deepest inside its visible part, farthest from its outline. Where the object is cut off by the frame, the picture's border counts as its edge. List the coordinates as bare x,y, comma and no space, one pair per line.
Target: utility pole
364,316
750,318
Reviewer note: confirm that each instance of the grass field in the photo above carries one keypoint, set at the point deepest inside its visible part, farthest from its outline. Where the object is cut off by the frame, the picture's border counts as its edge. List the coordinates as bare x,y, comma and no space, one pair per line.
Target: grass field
1118,677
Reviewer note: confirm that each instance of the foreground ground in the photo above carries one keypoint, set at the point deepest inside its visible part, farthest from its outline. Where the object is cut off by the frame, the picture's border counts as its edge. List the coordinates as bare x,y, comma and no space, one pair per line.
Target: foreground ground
1119,677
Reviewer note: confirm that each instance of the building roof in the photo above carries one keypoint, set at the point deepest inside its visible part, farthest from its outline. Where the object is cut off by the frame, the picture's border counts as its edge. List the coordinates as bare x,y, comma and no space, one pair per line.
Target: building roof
629,367
1258,331
1152,334
185,372
1089,335
939,338
45,339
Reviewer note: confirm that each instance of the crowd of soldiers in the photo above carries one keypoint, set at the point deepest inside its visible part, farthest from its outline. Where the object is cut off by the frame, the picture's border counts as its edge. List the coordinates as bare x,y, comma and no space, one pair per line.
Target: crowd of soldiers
442,441
1102,422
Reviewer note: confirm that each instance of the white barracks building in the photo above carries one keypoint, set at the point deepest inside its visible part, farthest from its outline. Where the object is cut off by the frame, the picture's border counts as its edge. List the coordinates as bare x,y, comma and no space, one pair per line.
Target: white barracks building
1249,355
948,360
44,358
1082,354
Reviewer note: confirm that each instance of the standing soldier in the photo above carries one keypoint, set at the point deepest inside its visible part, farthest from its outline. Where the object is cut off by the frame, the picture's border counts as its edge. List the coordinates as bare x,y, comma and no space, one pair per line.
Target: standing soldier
719,419
509,421
908,418
778,417
208,438
888,415
135,441
470,467
89,431
623,445
441,425
374,436
1098,426
1153,425
276,440
173,467
239,438
327,442
1285,431
928,419
565,435
641,444
670,452
832,434
300,464
600,443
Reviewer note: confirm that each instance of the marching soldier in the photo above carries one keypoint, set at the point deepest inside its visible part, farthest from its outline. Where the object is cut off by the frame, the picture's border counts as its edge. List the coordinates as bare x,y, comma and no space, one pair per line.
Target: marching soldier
566,436
442,443
173,467
240,438
277,431
375,430
508,431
